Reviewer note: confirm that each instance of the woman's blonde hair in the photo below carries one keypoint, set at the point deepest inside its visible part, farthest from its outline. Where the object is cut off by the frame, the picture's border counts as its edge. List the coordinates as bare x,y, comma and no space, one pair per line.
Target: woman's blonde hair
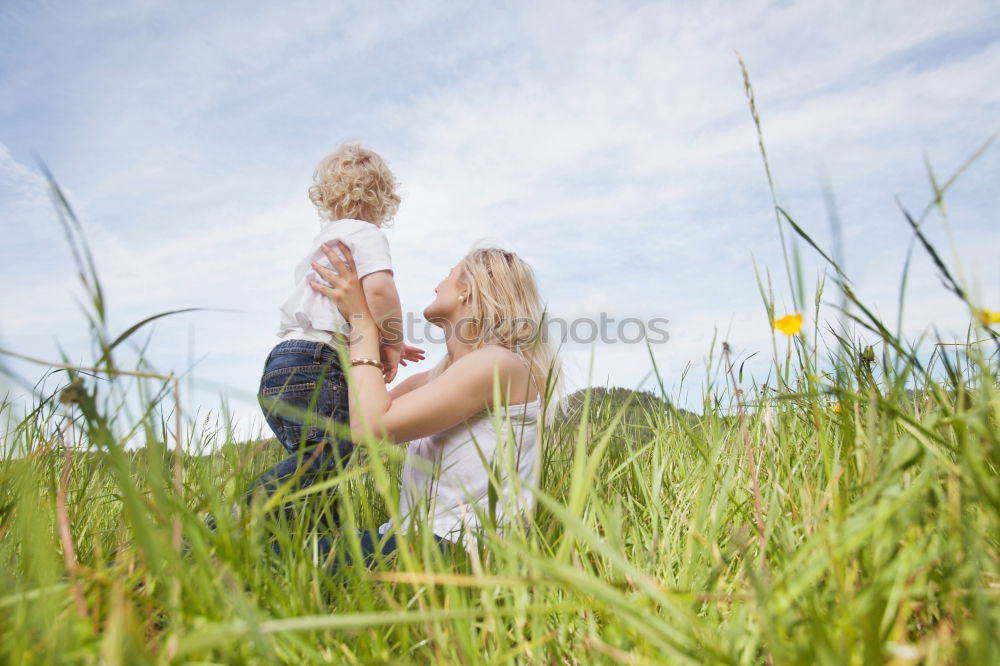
505,309
354,182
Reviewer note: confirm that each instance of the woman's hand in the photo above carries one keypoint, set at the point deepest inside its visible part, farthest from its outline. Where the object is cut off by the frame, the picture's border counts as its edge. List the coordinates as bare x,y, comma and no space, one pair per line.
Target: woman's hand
344,286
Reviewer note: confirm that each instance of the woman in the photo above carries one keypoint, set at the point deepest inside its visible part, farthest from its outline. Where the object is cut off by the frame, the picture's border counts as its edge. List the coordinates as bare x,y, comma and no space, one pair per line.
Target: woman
497,354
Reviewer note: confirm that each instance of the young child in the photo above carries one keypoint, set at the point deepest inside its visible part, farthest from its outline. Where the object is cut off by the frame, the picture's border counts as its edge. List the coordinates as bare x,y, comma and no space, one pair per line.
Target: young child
355,194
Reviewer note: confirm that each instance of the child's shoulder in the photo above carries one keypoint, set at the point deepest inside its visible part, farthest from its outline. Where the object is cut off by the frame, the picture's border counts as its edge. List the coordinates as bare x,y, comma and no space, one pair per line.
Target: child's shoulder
363,238
348,226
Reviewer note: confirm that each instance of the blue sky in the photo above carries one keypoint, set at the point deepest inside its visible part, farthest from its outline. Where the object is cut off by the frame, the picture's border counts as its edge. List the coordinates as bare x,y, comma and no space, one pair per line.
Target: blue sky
610,145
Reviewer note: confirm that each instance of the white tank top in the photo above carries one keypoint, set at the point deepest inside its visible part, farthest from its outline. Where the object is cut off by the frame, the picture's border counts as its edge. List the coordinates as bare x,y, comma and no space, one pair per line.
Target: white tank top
446,474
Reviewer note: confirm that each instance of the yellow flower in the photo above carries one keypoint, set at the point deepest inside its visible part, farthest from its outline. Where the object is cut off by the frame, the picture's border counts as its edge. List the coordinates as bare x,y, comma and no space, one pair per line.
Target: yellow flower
988,317
837,408
789,324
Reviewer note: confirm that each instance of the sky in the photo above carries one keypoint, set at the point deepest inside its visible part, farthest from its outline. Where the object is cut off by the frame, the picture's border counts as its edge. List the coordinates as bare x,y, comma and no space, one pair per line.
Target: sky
609,144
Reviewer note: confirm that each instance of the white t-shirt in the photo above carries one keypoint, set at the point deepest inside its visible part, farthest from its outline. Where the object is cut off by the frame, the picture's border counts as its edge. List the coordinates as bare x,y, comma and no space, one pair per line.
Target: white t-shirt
306,313
445,476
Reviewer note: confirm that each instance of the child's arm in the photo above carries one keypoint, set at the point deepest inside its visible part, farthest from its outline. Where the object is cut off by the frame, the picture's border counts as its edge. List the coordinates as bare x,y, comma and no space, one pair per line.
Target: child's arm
383,301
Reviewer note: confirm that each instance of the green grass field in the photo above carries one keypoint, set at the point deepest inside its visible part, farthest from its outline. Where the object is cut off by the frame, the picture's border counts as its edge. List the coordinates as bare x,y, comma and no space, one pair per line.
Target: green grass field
848,512
879,508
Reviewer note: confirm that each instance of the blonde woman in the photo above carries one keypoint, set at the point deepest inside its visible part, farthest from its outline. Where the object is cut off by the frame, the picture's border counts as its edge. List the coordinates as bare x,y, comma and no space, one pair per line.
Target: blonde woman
490,311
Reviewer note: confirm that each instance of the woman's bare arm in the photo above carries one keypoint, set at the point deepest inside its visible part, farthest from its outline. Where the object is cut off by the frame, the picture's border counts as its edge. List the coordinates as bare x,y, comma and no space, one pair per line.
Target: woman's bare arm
408,384
460,392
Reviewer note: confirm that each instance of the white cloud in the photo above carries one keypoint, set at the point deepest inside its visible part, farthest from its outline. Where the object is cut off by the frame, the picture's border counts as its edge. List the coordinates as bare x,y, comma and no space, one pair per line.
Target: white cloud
612,147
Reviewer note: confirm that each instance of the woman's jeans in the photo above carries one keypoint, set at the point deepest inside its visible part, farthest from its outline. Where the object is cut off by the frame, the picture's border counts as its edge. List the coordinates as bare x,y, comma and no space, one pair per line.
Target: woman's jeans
303,389
374,547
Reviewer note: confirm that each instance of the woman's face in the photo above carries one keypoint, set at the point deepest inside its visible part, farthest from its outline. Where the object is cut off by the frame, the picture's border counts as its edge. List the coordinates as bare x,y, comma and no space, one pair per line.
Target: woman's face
446,305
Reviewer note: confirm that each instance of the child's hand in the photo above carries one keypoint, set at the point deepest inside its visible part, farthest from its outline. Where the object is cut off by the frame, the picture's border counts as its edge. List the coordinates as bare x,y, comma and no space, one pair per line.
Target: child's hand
390,360
396,355
411,354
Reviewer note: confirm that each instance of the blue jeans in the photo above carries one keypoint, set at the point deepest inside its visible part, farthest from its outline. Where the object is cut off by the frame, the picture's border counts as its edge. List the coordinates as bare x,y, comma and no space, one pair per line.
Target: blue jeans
372,544
306,376
373,547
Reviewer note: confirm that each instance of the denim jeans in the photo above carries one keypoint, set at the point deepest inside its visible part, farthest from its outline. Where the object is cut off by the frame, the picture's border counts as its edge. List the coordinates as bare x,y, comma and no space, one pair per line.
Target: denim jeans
374,546
306,376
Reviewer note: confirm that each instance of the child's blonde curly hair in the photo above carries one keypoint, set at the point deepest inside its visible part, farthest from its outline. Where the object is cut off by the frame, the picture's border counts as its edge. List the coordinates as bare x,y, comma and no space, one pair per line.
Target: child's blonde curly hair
354,182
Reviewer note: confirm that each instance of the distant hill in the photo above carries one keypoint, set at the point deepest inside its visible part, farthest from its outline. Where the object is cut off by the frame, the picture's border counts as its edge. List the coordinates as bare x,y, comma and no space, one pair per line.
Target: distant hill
613,398
643,412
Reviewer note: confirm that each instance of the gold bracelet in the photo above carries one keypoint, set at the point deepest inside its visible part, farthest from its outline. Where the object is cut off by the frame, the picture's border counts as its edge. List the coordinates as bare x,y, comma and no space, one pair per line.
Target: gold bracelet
367,361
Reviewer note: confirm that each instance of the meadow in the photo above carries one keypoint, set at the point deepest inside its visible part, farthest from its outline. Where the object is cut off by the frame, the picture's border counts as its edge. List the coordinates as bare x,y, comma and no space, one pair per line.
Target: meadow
845,512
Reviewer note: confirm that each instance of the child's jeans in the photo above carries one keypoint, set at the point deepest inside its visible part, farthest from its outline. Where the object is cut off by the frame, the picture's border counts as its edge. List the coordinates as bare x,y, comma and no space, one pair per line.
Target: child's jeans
306,376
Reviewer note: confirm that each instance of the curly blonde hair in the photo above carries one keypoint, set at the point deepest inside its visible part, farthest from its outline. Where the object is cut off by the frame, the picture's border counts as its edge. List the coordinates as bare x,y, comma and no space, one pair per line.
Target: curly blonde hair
354,182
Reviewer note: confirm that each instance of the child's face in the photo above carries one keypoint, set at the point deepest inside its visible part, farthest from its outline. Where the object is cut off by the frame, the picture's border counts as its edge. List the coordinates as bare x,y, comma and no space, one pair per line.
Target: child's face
447,303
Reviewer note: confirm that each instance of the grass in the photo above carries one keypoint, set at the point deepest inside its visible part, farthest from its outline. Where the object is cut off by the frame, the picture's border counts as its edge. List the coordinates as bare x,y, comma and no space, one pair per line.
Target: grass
847,513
